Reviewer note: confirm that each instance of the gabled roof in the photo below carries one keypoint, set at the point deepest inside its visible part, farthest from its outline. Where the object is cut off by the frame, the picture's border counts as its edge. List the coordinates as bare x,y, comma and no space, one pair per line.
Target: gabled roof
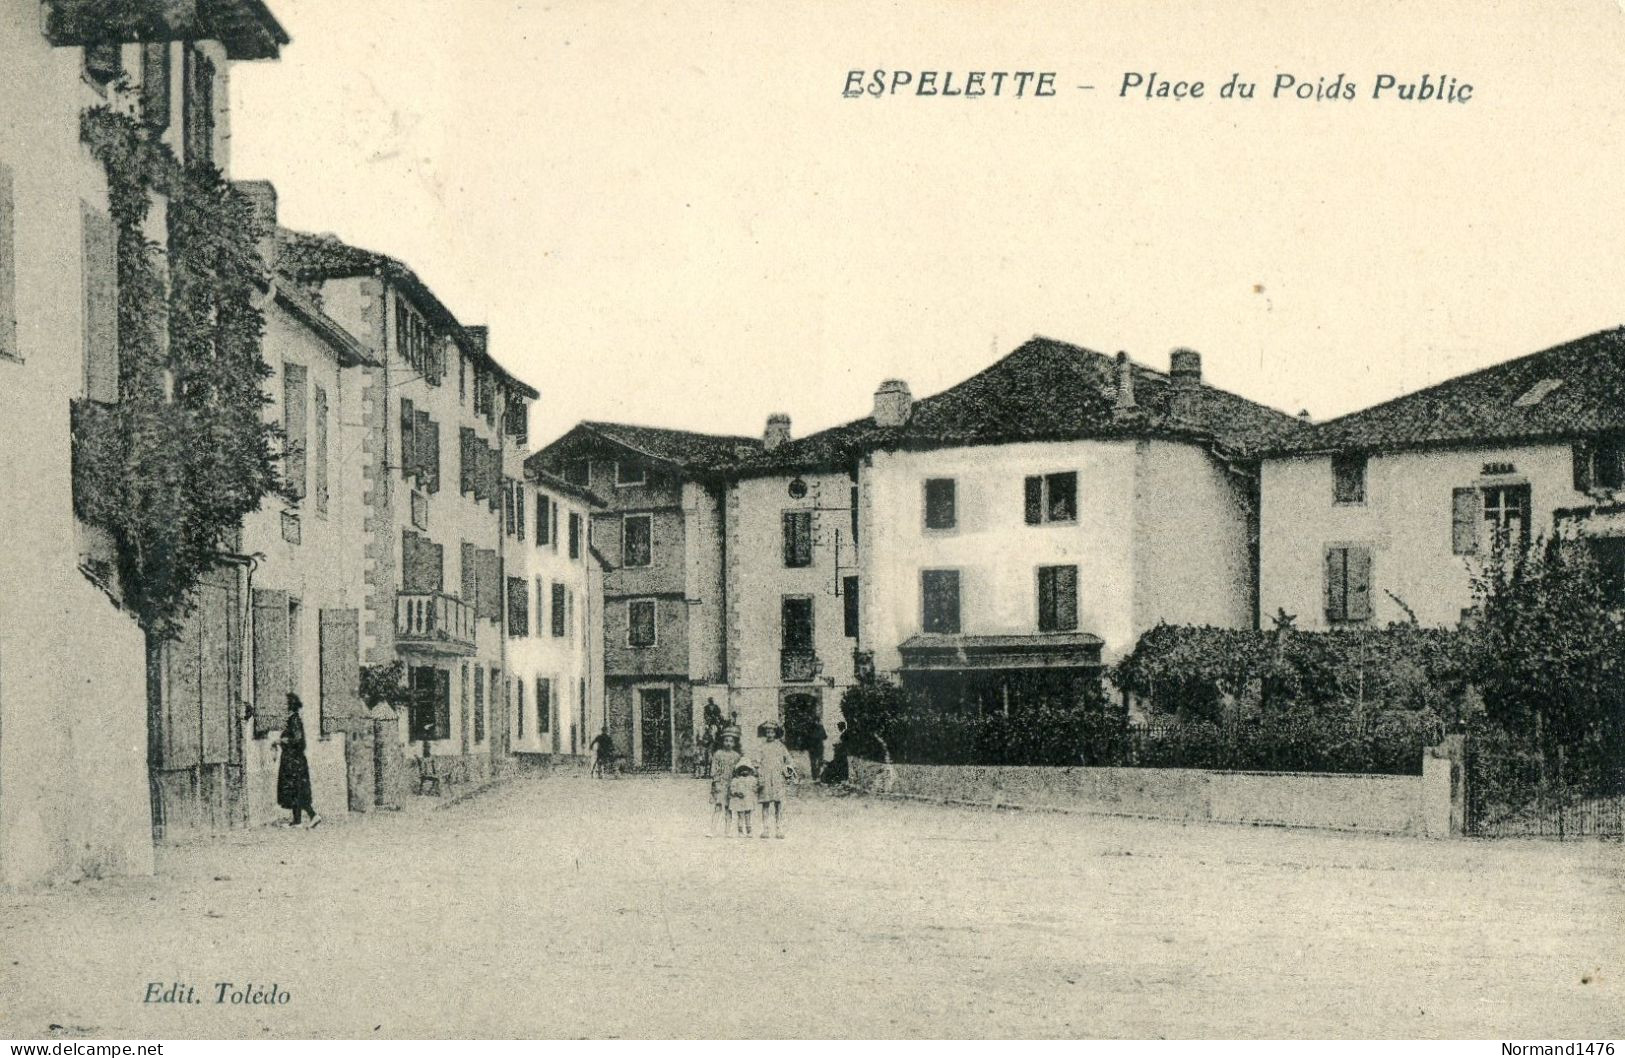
682,449
350,352
309,258
1570,390
557,484
1047,390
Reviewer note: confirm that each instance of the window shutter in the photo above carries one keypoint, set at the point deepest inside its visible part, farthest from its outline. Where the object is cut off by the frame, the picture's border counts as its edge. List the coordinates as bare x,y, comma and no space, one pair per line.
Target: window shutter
554,528
8,266
519,506
849,595
408,459
432,456
541,520
1336,584
493,485
541,607
101,307
155,84
558,611
420,447
467,477
295,419
341,668
271,683
1359,583
1464,518
575,536
488,603
321,449
1582,455
1046,599
471,575
1034,500
442,703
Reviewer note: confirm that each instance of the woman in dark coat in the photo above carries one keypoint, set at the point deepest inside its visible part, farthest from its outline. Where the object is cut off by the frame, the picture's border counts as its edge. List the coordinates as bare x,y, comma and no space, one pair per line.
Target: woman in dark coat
293,773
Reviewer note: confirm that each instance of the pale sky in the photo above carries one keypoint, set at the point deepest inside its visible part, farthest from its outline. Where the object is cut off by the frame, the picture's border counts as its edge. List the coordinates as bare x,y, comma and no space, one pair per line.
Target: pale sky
668,214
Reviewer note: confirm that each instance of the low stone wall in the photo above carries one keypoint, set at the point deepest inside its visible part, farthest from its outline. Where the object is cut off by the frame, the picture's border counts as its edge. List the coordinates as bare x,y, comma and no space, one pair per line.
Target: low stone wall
1391,804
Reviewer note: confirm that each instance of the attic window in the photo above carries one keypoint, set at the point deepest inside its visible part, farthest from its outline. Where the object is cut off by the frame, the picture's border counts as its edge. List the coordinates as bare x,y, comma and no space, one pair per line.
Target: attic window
1537,393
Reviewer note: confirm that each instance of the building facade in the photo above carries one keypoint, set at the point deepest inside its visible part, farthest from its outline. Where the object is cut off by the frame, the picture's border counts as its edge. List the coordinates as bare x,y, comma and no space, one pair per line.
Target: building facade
1387,514
445,429
74,724
661,535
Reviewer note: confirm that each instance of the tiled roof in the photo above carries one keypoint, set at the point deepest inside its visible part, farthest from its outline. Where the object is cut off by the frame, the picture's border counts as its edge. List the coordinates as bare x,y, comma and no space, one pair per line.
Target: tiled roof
557,484
1569,390
1046,390
683,448
308,257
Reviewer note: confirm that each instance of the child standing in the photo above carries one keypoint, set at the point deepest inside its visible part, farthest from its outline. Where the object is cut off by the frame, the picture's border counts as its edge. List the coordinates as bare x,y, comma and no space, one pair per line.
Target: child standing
777,771
742,793
722,771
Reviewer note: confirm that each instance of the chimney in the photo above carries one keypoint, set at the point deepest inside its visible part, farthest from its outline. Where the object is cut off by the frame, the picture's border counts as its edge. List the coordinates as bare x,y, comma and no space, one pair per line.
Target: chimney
261,196
1184,383
777,432
893,403
1125,383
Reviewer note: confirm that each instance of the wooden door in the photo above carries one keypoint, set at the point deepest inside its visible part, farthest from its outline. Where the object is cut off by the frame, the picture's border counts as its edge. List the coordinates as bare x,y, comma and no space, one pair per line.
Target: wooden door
654,712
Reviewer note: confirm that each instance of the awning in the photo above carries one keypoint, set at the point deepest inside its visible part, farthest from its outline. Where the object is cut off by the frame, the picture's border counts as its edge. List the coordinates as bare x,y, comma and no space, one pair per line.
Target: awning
952,653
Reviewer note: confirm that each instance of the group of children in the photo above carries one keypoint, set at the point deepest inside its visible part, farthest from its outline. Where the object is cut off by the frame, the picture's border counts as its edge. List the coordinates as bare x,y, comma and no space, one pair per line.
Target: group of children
738,785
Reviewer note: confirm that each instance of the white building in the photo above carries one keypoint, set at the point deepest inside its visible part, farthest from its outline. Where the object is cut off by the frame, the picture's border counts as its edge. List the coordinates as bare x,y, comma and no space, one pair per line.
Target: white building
74,731
1385,514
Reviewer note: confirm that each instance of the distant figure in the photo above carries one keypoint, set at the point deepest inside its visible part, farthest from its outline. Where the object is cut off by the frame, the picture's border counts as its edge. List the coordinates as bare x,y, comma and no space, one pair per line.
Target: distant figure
603,753
743,790
816,736
293,771
835,770
711,733
777,771
723,761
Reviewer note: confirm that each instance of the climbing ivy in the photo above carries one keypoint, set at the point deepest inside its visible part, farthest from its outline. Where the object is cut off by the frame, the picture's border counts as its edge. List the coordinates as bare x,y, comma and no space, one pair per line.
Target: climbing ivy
172,469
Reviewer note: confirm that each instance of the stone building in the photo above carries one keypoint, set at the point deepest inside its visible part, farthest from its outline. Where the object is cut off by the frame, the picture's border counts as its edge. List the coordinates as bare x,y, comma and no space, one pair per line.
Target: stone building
661,534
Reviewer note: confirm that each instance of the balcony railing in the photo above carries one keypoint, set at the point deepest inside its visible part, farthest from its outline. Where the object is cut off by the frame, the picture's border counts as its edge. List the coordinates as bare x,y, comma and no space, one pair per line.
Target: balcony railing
798,666
434,621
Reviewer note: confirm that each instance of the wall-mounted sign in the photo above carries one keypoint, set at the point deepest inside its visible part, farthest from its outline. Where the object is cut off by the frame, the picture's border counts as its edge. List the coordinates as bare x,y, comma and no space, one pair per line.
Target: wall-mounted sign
1496,469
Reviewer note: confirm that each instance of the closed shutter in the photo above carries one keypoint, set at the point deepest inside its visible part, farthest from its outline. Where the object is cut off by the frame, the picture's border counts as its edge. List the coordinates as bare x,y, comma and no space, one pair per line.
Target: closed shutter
1034,500
467,471
420,447
541,520
541,607
409,443
155,84
101,307
1336,584
320,465
1058,598
1359,583
493,457
442,703
558,611
554,528
469,564
341,668
422,564
8,266
519,508
849,596
488,604
544,705
1581,453
295,416
271,677
575,536
940,591
518,608
1464,518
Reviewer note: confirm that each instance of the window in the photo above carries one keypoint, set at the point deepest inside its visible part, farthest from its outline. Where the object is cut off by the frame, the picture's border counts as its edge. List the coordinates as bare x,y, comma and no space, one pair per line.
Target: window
518,608
559,614
640,623
637,543
516,421
430,713
479,703
630,474
939,504
1348,584
415,342
1057,598
1599,465
544,705
541,520
578,472
507,506
849,596
1052,498
939,592
197,105
462,377
854,499
797,539
100,272
575,536
1348,478
1609,554
553,527
541,606
294,425
796,624
519,707
423,564
155,85
1506,509
519,509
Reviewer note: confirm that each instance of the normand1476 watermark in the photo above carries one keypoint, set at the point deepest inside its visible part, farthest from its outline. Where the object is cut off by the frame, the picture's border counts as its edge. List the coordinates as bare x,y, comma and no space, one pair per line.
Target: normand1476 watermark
1582,1048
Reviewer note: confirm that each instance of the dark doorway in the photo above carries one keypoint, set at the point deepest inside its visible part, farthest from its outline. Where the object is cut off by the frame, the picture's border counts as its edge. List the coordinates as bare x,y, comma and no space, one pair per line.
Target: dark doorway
654,710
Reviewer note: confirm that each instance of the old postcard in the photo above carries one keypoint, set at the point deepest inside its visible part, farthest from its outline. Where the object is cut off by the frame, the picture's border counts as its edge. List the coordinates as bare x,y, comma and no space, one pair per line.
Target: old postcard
810,521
